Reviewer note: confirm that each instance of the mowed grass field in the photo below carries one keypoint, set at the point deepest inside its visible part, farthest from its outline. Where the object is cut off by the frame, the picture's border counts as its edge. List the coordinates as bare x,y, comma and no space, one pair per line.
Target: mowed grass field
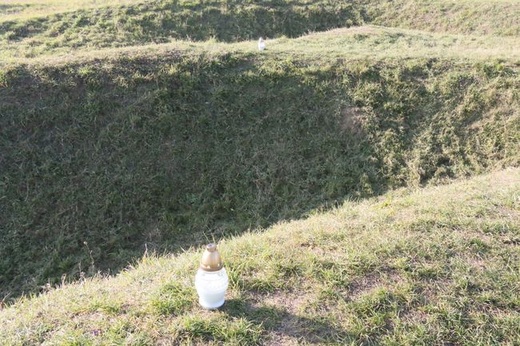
360,175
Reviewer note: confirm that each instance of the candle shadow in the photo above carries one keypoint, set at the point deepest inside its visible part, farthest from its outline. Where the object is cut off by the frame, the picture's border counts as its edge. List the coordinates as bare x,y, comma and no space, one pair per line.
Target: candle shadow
282,325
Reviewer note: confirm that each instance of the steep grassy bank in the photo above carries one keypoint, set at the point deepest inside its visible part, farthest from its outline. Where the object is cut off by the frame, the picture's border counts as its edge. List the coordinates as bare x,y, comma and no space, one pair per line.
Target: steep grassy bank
30,29
101,157
475,17
433,266
167,20
26,9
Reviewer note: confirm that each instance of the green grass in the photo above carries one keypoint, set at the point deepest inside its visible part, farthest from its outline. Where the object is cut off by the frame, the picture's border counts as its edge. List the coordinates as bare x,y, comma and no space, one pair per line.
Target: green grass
374,41
476,17
117,153
370,42
133,127
414,266
31,29
26,9
164,21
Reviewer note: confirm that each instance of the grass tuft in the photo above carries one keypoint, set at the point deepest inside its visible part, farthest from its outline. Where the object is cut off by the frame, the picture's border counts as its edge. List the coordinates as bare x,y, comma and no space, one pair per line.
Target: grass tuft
174,299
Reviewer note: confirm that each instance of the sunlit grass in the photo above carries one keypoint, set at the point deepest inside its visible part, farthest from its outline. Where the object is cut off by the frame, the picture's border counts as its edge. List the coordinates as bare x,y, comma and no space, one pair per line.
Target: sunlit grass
491,28
26,9
380,42
478,17
431,266
336,123
359,42
129,125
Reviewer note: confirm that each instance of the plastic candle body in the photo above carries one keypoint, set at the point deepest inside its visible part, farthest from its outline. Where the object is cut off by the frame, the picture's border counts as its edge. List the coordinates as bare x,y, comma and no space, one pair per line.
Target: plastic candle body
261,44
211,287
211,280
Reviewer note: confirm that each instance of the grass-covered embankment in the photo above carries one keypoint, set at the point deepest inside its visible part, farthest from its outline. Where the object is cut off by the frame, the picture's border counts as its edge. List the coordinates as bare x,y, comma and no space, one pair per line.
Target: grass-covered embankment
430,266
29,29
138,23
468,17
113,153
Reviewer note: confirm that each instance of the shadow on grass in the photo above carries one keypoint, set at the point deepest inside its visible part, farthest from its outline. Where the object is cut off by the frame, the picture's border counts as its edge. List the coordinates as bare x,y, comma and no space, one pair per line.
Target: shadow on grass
280,324
100,162
98,172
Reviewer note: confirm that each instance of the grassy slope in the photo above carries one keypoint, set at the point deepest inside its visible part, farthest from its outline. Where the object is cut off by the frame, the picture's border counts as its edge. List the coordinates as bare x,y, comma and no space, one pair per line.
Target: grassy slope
164,21
32,29
25,9
367,41
473,17
105,147
108,138
428,266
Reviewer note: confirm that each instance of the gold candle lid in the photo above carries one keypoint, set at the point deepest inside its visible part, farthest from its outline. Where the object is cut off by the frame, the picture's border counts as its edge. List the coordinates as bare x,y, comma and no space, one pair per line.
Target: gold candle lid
211,260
